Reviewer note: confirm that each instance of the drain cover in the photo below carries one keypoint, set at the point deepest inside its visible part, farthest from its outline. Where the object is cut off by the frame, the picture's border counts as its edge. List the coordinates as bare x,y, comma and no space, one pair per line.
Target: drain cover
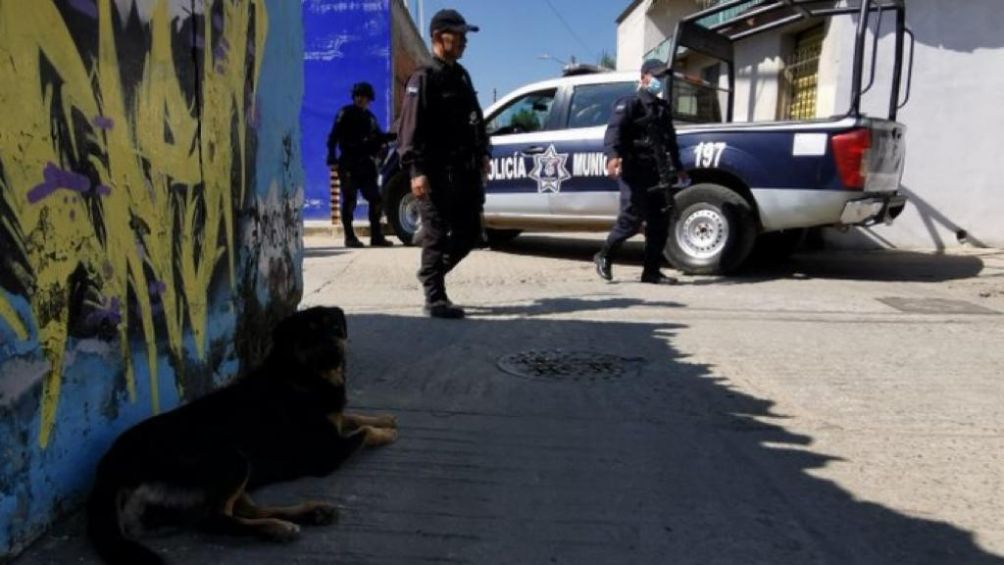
935,306
569,366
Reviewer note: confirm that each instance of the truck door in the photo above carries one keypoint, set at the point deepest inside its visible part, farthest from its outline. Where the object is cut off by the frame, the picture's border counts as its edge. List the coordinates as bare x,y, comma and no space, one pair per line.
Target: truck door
518,131
578,151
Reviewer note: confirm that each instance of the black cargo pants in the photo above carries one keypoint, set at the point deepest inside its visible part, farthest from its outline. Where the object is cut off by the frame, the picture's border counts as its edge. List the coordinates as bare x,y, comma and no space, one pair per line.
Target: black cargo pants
638,205
355,179
451,228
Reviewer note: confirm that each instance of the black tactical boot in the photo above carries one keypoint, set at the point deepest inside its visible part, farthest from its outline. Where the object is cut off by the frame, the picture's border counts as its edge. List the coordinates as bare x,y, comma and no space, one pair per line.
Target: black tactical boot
603,264
656,277
443,309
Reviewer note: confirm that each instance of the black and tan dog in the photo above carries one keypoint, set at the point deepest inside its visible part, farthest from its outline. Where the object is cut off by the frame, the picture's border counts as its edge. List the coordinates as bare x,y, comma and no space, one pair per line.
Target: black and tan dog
196,464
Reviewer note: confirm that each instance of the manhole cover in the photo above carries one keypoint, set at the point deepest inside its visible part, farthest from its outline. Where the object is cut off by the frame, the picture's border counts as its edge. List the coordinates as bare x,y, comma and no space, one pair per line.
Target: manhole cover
569,366
935,306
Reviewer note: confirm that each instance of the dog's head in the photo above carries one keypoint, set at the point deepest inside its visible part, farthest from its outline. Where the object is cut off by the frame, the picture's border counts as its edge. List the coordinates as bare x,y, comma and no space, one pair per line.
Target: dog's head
310,346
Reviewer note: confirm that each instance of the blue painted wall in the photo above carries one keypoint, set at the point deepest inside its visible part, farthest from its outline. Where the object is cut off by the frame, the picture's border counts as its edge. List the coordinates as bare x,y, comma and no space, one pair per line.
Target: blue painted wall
344,43
150,222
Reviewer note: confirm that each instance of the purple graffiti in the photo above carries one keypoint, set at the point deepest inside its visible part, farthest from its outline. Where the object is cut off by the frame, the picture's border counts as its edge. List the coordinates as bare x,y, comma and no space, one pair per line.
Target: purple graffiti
57,178
111,313
85,7
103,122
199,42
217,22
157,288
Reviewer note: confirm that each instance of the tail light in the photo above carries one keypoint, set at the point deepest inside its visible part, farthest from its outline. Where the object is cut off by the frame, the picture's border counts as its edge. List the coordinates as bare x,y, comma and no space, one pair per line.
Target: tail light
850,151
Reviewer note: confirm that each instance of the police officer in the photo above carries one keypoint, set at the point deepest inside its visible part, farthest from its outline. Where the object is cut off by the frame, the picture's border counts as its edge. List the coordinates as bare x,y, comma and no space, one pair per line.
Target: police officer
444,146
632,160
354,143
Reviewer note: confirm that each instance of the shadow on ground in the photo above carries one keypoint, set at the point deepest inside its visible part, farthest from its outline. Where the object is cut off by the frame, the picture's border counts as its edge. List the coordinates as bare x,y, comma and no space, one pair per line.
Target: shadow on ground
883,265
663,464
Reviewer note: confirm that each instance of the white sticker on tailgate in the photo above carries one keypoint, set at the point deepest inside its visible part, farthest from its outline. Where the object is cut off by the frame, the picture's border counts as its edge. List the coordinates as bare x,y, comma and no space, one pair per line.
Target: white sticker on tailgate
809,145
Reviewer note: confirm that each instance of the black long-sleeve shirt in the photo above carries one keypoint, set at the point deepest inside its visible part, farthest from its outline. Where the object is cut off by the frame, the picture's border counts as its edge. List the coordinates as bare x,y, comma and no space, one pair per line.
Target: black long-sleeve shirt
355,138
441,121
628,125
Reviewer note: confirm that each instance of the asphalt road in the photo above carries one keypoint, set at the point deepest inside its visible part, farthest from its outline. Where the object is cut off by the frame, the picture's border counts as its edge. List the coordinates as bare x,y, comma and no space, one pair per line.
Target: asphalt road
836,408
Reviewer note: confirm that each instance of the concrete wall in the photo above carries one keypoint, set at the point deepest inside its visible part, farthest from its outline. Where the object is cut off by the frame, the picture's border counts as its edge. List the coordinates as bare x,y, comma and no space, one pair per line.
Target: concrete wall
150,194
631,38
954,120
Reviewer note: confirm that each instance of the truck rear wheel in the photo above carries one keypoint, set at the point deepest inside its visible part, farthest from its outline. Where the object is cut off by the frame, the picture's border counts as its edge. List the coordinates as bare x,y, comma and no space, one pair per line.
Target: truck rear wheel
402,209
712,230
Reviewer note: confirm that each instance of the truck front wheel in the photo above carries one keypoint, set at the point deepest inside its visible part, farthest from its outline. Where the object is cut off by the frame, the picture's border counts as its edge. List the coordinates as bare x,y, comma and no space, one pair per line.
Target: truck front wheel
402,209
712,230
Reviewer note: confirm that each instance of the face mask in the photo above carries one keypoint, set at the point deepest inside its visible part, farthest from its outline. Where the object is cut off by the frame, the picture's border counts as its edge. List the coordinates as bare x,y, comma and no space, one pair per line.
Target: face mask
654,86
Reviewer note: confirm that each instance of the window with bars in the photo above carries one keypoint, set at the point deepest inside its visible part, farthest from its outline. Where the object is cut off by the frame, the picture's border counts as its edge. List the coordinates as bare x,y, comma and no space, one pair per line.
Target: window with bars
724,15
801,73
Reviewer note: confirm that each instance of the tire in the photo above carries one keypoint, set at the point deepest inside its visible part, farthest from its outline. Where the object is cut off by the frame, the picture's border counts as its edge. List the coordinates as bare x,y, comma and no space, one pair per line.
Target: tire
402,209
711,232
498,238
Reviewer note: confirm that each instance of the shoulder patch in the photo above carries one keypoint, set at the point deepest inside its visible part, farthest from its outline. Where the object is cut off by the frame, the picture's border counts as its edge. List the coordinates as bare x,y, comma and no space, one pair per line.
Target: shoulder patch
412,90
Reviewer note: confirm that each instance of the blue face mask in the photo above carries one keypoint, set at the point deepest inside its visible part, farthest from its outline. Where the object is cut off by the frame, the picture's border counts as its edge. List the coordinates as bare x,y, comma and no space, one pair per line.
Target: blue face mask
654,86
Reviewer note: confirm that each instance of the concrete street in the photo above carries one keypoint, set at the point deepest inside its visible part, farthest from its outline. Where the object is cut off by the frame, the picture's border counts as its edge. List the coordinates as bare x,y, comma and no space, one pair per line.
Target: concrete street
837,408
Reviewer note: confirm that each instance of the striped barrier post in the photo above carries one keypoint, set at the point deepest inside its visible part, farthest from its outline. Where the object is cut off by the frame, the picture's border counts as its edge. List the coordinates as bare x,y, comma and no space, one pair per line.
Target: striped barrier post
336,198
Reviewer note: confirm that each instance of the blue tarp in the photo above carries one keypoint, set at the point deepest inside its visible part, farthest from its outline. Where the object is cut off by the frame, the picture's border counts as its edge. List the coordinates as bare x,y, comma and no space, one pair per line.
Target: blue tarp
345,42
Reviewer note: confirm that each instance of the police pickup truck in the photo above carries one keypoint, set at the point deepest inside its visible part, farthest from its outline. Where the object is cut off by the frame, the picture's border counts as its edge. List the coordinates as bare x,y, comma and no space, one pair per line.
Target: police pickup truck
749,181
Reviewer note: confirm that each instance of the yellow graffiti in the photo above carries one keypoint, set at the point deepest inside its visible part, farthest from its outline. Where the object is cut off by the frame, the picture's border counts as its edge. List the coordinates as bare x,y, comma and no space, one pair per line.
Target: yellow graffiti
140,168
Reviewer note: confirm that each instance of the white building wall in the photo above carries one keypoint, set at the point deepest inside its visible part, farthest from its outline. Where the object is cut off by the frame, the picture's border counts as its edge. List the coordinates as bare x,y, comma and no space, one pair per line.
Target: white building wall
955,120
631,38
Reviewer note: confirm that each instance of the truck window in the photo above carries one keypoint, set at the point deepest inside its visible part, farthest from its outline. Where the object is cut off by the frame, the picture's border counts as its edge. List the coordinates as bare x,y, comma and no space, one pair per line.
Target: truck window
526,114
695,103
593,103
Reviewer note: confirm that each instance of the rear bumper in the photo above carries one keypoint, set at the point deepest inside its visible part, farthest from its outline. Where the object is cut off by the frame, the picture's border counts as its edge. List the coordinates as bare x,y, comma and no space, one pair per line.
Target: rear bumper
871,210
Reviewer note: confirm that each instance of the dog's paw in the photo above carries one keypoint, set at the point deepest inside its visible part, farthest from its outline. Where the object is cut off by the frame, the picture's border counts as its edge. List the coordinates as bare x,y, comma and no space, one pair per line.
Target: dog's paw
386,421
280,531
320,514
387,436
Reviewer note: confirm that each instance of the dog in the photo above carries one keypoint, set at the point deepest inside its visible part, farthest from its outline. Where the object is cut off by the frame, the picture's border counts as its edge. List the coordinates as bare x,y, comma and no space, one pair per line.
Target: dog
196,465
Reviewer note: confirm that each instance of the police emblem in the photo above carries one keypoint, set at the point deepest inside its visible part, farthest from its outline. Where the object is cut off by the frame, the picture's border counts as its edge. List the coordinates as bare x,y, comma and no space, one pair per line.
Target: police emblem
549,170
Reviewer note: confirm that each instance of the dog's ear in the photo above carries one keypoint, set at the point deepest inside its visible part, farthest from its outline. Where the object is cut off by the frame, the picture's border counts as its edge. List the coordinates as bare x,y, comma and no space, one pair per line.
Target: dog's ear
341,325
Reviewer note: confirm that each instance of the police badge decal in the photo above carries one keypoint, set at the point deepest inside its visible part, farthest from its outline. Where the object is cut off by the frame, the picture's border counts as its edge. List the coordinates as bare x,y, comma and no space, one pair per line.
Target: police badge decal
549,170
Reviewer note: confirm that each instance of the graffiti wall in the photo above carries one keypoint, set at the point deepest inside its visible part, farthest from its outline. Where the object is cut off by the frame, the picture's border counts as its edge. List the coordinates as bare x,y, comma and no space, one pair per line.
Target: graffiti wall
344,43
150,197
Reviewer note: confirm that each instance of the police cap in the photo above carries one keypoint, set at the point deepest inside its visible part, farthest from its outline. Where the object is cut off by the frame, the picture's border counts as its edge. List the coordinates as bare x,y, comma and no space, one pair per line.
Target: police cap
654,67
363,89
450,20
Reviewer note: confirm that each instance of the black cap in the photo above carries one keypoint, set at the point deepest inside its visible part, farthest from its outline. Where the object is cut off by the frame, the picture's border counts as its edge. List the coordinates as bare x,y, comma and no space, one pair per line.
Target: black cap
654,67
363,89
450,20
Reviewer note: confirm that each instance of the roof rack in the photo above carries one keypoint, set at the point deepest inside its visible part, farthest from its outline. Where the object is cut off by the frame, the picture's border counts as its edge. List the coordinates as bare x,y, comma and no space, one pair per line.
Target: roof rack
718,40
576,69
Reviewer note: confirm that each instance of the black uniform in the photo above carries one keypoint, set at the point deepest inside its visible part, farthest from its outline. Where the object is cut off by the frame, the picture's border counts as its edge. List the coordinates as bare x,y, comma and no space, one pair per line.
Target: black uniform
442,136
357,137
628,137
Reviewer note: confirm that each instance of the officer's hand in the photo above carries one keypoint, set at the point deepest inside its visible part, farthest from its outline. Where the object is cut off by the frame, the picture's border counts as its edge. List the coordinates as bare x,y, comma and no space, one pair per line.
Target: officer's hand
614,167
420,186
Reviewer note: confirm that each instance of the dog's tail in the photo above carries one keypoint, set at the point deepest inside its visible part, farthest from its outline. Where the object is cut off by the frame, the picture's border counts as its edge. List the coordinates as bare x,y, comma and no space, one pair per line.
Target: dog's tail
104,527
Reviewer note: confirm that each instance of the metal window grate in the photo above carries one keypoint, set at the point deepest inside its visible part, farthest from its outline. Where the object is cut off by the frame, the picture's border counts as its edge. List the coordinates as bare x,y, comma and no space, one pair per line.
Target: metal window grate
801,72
724,15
